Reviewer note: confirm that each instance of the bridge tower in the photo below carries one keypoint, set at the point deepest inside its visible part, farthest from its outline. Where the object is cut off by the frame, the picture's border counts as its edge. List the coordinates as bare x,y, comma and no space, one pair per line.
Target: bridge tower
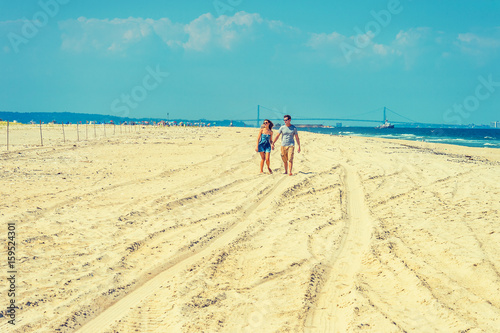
258,115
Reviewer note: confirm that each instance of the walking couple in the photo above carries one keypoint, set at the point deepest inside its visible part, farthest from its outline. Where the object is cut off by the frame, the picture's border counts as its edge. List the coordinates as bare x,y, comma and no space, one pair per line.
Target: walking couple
265,143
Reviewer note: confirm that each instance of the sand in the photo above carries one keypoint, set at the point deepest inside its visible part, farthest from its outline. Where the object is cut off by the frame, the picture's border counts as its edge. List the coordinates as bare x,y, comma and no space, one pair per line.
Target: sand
175,230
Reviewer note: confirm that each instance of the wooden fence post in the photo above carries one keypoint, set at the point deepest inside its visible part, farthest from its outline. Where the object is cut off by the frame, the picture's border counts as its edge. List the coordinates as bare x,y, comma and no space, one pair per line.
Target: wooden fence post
7,135
64,134
41,136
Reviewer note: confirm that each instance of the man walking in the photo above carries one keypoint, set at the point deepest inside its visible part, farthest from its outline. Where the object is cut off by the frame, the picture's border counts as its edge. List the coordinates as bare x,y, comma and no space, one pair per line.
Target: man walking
289,132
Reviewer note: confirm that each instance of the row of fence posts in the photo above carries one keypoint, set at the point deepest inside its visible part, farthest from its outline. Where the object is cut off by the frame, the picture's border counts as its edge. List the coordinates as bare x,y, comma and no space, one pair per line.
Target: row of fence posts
77,132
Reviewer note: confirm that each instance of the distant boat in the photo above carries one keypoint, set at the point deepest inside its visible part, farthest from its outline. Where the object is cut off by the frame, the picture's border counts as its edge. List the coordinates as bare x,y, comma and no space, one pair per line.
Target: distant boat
387,124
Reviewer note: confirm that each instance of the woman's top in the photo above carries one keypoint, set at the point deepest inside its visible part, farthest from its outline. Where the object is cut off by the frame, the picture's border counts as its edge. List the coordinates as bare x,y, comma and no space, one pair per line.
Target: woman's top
265,143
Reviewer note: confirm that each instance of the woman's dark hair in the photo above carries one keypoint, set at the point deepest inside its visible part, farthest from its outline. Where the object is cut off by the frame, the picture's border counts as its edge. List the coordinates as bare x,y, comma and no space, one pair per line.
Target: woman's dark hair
270,123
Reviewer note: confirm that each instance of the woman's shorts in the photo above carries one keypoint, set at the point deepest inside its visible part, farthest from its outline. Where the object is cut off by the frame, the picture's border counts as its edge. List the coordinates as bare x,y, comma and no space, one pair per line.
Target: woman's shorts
264,148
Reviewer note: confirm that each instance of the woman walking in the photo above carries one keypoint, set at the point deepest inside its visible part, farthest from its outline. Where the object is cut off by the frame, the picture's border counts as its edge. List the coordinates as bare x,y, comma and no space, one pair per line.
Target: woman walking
264,144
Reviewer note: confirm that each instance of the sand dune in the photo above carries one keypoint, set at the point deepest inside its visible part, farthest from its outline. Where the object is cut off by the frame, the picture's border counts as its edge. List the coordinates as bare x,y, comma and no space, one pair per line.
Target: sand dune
174,230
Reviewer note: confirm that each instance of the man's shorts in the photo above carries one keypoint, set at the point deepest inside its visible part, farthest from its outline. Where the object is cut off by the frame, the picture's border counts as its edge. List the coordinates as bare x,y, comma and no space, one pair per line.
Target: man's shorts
287,153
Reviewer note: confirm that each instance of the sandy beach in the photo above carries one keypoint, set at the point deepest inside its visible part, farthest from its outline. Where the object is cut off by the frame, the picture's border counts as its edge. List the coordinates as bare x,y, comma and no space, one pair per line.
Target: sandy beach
175,230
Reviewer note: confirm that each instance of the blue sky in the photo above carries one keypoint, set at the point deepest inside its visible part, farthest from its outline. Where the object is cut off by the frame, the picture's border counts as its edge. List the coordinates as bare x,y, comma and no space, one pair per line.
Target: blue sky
430,61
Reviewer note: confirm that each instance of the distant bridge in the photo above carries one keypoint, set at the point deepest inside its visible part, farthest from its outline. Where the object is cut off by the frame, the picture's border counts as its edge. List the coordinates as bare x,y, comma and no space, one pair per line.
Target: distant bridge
385,109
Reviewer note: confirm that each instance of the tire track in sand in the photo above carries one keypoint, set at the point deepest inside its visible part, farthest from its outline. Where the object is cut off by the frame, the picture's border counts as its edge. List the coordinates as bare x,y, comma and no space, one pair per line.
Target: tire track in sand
332,312
129,302
100,190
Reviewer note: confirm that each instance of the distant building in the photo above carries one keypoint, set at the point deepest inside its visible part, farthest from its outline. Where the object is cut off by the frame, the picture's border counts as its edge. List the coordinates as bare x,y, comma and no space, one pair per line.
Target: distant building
495,124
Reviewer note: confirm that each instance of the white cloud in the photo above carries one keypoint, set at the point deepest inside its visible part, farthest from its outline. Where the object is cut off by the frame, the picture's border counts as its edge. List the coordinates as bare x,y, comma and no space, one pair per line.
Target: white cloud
223,31
343,50
412,46
481,48
321,40
380,49
471,39
202,34
170,33
415,44
412,37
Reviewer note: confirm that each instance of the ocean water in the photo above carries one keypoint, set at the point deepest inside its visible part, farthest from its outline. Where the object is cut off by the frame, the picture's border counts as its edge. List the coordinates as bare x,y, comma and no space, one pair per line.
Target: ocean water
470,137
